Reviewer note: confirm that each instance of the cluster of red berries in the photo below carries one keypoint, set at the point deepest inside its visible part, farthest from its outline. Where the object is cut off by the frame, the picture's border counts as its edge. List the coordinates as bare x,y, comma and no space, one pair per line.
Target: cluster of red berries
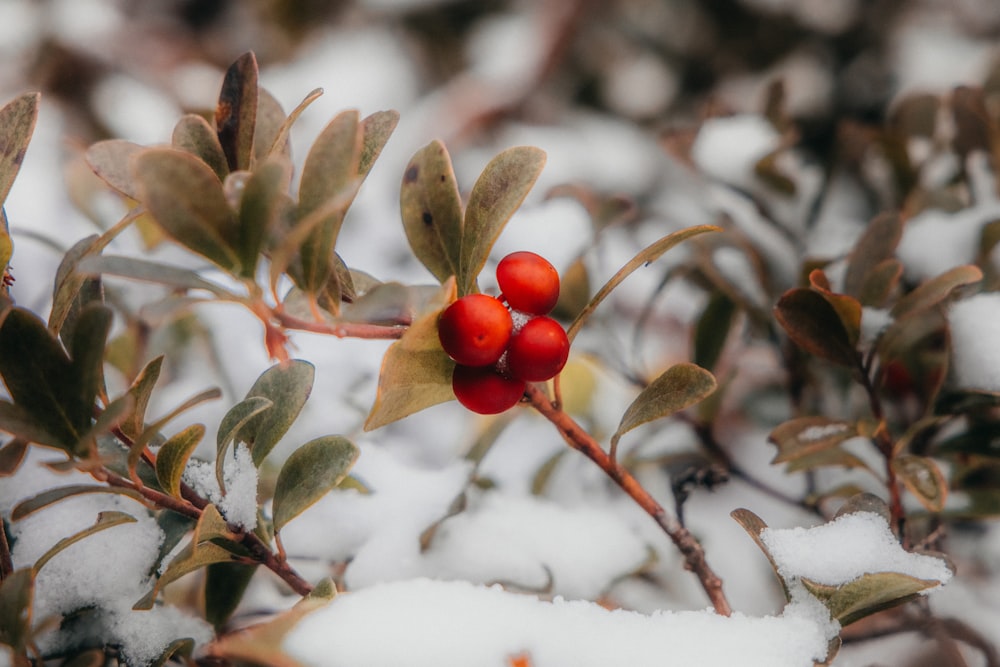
501,343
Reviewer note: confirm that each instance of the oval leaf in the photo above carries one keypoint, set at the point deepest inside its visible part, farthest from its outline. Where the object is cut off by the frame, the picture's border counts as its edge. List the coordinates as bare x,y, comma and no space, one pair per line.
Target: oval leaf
17,123
104,521
868,594
141,390
232,422
754,526
312,470
678,387
874,246
153,272
815,325
431,208
288,387
648,254
110,160
236,112
263,202
936,290
194,135
416,372
375,132
494,198
807,435
186,199
921,477
173,456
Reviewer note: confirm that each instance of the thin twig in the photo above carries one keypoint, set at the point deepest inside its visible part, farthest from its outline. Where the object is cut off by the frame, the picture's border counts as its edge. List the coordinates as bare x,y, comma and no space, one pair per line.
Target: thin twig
690,548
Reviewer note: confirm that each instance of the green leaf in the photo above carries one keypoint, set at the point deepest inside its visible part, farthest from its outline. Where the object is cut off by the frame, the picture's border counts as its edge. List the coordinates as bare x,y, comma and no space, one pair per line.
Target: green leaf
494,198
57,393
874,246
416,372
813,323
921,477
288,387
271,127
648,254
936,290
153,272
187,200
141,390
311,471
236,112
17,123
46,498
868,594
270,137
194,135
848,308
263,202
431,209
330,169
880,282
232,423
712,329
827,458
151,431
104,521
173,456
375,132
804,436
110,160
754,526
225,584
574,291
17,592
680,386
6,249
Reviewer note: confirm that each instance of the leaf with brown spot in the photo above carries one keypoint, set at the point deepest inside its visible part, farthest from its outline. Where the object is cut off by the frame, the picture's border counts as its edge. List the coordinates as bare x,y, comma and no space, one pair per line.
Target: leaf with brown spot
17,123
236,112
431,209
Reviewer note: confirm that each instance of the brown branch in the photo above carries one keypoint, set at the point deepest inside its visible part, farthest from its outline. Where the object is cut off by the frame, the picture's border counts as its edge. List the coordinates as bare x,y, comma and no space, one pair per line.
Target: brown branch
6,561
580,440
343,330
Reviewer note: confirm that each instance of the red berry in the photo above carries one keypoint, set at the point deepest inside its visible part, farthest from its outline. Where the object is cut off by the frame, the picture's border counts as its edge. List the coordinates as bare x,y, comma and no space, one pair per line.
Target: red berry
538,351
482,389
475,330
528,282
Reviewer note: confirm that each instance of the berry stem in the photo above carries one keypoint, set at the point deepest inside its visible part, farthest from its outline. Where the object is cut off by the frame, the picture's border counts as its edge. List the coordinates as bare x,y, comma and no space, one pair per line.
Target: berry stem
690,548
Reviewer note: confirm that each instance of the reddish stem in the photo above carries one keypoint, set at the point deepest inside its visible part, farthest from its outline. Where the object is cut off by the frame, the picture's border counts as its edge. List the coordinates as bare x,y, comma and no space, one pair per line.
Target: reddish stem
580,440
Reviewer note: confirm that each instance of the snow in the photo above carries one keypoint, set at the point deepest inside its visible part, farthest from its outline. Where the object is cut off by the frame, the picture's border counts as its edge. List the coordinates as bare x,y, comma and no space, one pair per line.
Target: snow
975,328
239,477
846,548
442,624
728,148
934,240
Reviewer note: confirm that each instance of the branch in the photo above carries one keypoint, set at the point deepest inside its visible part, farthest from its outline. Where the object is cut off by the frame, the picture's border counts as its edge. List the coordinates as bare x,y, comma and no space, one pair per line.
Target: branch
580,440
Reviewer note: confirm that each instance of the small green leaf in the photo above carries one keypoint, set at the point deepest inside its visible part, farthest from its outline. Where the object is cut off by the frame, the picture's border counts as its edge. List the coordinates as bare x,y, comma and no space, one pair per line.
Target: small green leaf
110,160
236,112
330,169
375,132
648,254
288,387
311,471
936,290
880,282
680,386
868,594
431,209
263,203
830,457
17,592
46,498
173,456
803,436
416,372
921,477
151,431
712,329
232,423
187,200
141,390
754,526
813,323
194,135
494,198
225,584
270,137
104,521
17,123
147,271
874,246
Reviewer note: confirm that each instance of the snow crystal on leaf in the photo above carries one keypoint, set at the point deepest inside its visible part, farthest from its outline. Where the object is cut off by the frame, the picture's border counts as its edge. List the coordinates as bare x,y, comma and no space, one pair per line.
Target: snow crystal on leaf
845,549
239,505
